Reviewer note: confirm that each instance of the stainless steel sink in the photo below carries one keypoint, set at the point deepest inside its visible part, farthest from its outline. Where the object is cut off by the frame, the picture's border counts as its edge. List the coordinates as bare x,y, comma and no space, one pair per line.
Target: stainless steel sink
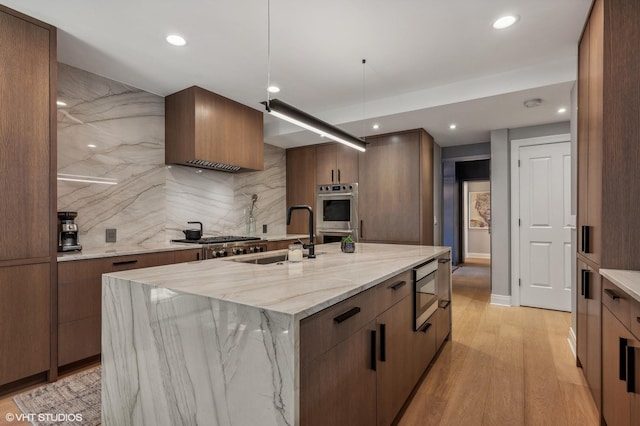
264,260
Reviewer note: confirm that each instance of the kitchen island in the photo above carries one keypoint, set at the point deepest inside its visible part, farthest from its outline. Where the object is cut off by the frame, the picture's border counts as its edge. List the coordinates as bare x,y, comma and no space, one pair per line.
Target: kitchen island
217,342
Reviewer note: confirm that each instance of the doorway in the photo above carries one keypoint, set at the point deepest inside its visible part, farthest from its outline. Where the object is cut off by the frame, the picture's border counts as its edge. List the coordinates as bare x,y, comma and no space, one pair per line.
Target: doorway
476,220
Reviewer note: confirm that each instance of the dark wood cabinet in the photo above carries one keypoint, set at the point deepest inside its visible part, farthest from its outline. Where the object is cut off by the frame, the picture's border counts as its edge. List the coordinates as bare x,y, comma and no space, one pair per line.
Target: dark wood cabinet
24,321
395,368
336,163
590,137
80,298
396,188
589,329
204,126
28,191
301,185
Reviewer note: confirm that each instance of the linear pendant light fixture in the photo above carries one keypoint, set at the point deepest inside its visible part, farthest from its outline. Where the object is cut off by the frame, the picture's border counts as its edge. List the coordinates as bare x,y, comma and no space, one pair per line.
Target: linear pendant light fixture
298,117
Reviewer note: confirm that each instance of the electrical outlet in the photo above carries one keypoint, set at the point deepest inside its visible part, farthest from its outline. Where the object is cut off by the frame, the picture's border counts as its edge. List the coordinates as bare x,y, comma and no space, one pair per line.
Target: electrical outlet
264,228
111,235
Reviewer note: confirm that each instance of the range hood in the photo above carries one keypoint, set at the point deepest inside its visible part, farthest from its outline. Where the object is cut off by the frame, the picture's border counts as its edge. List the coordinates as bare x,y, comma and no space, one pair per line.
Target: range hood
208,131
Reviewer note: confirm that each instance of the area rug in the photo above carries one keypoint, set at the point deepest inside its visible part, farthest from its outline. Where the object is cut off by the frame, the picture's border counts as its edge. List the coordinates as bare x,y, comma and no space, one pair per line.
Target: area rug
72,401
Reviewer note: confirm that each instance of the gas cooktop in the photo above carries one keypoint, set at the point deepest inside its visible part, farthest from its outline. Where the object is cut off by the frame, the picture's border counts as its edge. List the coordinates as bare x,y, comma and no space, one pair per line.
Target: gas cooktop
217,240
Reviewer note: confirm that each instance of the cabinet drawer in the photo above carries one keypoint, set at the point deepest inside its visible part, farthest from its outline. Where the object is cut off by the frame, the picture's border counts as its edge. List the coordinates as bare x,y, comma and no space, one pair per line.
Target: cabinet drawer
187,255
79,299
78,340
391,291
327,328
618,302
82,270
125,263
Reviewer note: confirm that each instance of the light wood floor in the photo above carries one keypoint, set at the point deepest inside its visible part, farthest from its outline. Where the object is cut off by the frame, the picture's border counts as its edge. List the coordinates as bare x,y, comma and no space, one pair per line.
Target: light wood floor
504,366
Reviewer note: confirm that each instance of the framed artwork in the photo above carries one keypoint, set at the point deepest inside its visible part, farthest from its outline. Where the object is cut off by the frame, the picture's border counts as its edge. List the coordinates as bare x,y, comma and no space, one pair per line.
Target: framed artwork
479,210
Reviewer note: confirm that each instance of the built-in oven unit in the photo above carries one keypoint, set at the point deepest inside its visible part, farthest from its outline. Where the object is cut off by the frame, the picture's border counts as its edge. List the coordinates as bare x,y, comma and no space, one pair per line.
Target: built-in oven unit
425,286
337,212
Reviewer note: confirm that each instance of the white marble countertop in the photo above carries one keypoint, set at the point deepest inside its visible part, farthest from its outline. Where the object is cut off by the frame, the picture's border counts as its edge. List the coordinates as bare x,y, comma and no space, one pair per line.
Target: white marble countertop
116,250
629,281
298,289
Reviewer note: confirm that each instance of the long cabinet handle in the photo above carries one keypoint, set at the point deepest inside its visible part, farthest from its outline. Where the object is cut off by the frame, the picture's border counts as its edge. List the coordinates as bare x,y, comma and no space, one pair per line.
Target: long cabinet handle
444,304
346,315
586,284
444,260
631,369
397,285
622,353
125,262
360,228
373,350
338,175
586,234
383,342
331,175
612,294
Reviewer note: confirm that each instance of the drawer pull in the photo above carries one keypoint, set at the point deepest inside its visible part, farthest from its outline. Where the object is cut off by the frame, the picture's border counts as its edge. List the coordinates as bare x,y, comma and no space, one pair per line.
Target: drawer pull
444,260
586,283
125,262
445,304
397,285
426,327
345,316
383,342
373,350
622,353
612,294
631,369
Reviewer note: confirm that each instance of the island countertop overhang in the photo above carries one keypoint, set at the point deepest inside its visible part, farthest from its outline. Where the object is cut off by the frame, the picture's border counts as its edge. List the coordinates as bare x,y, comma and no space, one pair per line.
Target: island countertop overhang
296,289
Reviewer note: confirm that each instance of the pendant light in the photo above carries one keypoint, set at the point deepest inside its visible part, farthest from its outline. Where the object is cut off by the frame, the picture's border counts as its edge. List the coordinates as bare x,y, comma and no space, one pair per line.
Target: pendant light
298,117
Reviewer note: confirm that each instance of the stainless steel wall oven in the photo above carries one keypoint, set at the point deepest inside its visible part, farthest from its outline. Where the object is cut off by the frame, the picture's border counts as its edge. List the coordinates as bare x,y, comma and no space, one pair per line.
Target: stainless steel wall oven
337,207
425,286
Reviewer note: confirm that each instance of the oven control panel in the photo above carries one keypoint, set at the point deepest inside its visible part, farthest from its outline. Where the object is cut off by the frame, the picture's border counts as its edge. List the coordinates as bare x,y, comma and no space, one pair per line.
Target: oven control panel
214,251
337,189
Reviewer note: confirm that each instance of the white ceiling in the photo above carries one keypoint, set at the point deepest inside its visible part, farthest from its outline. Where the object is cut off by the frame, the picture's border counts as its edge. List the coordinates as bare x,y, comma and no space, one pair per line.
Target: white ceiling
429,62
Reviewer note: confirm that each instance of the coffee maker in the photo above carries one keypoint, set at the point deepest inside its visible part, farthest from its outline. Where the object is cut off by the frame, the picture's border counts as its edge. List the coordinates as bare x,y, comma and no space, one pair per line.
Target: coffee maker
68,232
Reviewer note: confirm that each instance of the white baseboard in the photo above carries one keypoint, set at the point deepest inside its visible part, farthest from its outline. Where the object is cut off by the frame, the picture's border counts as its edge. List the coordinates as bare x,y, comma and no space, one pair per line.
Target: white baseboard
479,255
500,300
572,341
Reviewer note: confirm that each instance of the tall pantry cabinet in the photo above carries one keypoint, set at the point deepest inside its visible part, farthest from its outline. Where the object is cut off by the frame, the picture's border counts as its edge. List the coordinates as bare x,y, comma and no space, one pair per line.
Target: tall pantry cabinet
608,172
28,193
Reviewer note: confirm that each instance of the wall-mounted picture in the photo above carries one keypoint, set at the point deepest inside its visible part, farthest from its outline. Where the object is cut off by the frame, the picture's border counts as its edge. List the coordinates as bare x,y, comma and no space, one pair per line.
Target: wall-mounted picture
479,210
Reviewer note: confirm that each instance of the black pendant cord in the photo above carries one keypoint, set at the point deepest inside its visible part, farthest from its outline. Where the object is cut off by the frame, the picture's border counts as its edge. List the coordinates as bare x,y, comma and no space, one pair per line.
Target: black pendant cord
364,99
268,52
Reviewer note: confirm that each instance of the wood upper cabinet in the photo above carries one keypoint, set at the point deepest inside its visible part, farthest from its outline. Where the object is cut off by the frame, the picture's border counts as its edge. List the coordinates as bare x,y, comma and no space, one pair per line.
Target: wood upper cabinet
203,128
590,140
336,163
301,185
27,138
396,188
25,309
609,135
589,329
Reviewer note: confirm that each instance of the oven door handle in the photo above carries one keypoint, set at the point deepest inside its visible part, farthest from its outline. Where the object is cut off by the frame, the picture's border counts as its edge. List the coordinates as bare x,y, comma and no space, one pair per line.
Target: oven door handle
339,196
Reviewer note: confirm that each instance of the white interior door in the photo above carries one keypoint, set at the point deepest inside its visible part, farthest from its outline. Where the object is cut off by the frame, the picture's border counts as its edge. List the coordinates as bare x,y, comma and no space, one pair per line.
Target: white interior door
545,226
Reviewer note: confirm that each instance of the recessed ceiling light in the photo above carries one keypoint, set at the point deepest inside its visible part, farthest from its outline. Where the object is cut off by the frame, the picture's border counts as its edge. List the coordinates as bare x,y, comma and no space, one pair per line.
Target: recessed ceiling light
376,126
562,110
176,40
452,126
60,103
505,22
91,145
273,89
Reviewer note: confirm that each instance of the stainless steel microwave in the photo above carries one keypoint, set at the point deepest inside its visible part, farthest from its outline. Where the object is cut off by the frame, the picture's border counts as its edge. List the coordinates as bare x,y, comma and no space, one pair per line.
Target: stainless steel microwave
337,212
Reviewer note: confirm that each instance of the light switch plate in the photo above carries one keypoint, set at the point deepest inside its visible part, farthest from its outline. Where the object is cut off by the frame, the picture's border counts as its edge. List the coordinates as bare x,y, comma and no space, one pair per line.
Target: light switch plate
111,235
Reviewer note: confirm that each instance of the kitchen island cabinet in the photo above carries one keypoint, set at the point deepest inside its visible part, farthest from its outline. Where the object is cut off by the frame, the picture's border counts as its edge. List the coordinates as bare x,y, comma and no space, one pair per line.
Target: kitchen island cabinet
237,338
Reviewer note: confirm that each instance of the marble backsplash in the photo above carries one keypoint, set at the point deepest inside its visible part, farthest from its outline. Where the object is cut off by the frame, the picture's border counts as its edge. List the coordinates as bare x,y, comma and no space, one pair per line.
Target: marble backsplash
114,133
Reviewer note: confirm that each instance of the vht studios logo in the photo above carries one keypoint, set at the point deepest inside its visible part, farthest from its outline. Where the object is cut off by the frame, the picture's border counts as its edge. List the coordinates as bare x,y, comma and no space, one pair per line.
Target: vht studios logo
43,417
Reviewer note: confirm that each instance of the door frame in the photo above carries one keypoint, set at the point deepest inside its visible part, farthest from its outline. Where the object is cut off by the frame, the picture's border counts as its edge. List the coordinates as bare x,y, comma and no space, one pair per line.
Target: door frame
516,144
